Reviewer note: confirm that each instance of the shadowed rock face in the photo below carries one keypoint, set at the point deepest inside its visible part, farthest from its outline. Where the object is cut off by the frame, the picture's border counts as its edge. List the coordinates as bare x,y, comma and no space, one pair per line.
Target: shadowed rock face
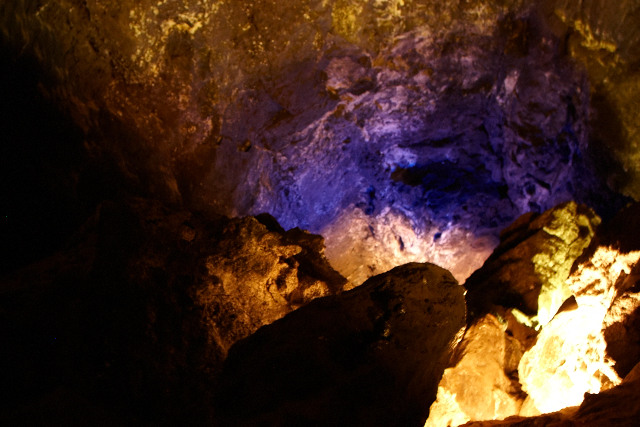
135,318
370,356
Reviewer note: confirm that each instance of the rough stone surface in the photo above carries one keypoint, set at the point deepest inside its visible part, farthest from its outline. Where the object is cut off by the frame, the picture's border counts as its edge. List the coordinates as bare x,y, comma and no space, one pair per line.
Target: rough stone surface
370,356
618,406
576,352
137,315
483,384
589,344
604,38
404,130
529,268
457,116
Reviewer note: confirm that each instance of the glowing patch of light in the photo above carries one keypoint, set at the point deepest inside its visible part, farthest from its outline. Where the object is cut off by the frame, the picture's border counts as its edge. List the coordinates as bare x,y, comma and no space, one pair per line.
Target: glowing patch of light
360,246
569,359
594,281
399,157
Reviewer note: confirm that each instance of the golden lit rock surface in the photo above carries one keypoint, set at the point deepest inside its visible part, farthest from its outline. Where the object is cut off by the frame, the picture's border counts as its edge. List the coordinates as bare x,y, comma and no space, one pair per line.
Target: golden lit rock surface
568,360
529,268
587,346
483,385
618,406
370,356
253,277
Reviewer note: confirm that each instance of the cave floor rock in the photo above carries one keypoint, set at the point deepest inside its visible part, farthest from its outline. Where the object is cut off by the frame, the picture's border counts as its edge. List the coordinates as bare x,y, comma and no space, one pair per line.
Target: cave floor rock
370,356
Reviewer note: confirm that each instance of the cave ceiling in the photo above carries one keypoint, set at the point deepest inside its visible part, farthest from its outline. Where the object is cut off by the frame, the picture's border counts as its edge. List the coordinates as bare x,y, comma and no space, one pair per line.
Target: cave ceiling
400,122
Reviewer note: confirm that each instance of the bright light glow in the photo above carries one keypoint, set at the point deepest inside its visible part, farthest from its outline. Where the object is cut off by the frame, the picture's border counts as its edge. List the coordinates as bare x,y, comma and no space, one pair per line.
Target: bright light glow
568,361
569,358
360,246
593,283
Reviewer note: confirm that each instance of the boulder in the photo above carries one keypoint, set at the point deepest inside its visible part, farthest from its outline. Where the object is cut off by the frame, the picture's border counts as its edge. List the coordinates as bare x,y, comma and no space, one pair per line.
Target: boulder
483,384
370,356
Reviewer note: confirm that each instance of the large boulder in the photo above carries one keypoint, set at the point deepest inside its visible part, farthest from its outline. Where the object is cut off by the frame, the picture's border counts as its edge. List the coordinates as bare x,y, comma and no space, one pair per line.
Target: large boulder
371,356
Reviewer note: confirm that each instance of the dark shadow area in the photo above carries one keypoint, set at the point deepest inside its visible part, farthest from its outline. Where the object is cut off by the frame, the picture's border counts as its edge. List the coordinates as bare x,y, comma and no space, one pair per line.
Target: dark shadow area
41,155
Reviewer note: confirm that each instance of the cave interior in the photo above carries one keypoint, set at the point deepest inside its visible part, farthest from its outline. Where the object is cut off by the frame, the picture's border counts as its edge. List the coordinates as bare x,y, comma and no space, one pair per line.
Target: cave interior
380,212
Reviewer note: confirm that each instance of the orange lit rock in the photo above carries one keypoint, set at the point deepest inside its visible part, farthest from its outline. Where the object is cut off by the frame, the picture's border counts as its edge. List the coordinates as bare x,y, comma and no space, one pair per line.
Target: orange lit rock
370,356
253,276
618,406
483,385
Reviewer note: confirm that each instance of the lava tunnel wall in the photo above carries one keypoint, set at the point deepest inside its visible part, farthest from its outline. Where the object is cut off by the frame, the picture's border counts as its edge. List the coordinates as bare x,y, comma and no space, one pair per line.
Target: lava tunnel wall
400,130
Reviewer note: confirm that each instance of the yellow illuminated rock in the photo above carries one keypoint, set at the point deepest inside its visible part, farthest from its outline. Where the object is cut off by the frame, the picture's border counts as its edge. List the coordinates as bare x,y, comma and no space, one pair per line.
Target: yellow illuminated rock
570,357
481,385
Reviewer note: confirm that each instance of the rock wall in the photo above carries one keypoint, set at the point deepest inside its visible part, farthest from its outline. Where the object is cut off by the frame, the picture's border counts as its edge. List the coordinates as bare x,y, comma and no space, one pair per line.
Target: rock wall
505,368
339,117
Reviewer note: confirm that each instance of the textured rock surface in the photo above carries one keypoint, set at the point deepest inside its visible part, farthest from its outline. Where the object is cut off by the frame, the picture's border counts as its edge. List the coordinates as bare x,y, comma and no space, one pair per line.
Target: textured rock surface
483,384
572,354
458,116
589,344
605,38
370,356
529,268
137,316
403,130
615,407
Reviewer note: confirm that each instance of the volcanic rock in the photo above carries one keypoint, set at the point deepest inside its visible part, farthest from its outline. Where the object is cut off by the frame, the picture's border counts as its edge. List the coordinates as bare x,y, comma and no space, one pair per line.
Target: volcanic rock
615,407
581,349
528,270
137,315
370,356
483,384
450,117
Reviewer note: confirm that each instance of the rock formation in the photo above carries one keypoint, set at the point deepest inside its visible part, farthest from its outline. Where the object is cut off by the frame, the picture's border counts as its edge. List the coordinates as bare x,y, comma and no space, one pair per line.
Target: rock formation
161,160
370,356
483,384
139,312
450,120
529,268
589,344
